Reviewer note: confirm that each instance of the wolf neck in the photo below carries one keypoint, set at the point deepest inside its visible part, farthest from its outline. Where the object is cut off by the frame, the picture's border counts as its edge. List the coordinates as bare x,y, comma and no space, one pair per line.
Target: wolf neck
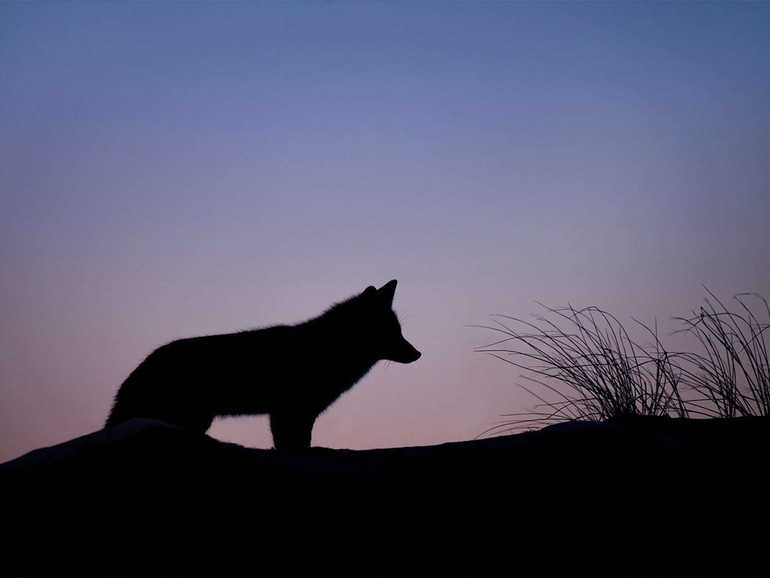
336,341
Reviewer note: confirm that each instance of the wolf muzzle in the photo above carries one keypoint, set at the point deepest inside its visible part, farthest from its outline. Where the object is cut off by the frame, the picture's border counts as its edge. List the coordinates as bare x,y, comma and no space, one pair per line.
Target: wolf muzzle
404,352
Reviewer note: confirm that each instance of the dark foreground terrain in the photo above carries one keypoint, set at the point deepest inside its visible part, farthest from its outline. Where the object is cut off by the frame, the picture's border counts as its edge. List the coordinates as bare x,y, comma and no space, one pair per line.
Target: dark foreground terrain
648,497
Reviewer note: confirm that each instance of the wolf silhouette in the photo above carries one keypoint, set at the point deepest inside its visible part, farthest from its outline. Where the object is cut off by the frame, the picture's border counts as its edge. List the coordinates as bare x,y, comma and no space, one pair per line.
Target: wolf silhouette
291,372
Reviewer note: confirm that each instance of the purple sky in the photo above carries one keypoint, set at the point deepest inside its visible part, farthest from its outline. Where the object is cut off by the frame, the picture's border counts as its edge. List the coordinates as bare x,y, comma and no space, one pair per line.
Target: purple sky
170,169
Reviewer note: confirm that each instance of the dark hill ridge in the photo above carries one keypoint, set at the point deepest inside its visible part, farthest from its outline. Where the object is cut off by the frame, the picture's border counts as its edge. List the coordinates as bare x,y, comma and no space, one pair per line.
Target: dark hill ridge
648,496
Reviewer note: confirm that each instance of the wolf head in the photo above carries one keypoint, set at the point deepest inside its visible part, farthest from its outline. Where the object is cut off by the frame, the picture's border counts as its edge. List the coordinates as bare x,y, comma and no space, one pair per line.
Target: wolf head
383,326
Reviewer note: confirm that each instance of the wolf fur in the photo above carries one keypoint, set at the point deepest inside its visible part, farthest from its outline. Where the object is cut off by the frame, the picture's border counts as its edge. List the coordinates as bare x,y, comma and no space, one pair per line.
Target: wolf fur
291,372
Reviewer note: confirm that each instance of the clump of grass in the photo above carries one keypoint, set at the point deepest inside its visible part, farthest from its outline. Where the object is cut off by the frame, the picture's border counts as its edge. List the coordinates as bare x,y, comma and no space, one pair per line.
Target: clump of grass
587,364
732,373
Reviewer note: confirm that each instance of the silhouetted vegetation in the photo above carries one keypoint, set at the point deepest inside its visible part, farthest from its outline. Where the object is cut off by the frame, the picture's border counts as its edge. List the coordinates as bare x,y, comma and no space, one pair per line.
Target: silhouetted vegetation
583,365
732,373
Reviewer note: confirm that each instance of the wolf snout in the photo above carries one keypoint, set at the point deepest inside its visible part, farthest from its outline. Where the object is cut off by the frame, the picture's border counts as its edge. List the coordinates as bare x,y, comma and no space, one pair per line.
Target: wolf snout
415,355
404,353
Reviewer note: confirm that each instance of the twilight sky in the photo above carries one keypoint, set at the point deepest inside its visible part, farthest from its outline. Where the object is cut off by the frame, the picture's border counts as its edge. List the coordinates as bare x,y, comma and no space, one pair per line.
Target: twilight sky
170,169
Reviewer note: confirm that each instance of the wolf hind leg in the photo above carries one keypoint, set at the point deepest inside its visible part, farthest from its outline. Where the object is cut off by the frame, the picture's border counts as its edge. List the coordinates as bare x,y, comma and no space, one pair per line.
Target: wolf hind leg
291,430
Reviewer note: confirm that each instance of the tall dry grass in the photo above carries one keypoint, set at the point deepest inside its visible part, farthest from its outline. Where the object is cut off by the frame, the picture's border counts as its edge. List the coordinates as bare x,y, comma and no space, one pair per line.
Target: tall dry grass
582,364
731,371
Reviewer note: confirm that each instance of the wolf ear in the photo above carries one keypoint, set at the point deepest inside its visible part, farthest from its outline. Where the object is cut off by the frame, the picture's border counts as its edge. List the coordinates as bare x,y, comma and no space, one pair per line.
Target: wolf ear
388,291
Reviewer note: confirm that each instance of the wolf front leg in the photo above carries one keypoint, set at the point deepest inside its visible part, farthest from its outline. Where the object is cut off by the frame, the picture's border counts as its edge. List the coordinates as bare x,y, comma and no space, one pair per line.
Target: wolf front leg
291,430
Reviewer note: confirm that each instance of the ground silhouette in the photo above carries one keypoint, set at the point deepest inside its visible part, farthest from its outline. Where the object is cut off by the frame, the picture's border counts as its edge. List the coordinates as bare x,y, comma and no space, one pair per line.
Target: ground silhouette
645,497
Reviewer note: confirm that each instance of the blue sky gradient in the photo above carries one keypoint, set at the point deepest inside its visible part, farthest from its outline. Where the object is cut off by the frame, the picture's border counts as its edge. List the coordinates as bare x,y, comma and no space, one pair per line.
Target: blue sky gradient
170,169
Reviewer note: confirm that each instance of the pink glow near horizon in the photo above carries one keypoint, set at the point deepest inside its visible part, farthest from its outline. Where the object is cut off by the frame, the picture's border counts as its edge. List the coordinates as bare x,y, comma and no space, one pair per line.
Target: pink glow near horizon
176,169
